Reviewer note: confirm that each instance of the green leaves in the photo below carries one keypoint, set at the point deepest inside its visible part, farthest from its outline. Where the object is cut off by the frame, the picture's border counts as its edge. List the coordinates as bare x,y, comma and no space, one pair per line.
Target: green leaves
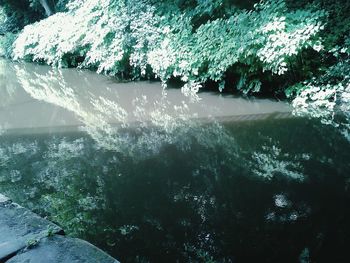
140,38
6,43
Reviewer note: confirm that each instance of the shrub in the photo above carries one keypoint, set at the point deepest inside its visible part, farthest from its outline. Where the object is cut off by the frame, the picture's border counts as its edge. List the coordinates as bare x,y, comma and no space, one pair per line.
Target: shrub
142,39
328,96
6,44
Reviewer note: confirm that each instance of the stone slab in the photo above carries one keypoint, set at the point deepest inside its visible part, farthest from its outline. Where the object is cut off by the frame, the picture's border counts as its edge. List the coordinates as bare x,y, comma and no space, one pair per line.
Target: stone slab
59,249
19,228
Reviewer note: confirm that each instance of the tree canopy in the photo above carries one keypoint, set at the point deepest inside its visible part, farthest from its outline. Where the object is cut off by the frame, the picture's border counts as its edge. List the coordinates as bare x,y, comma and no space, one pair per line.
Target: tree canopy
23,12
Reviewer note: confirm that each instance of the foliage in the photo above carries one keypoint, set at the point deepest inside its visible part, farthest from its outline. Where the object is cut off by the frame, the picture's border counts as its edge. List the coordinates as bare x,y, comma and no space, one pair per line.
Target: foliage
326,93
142,39
7,22
19,13
6,37
328,96
337,29
255,41
90,35
23,12
6,44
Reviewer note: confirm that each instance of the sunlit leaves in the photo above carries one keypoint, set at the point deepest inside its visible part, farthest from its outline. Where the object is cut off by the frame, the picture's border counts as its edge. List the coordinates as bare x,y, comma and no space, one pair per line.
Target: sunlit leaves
141,38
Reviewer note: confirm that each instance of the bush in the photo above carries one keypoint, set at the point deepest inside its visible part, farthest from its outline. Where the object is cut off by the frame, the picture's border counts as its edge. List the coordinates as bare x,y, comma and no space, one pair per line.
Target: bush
327,96
6,44
136,39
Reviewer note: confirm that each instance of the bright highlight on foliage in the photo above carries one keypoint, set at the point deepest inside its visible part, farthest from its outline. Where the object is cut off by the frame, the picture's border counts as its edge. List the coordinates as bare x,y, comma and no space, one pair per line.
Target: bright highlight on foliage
128,38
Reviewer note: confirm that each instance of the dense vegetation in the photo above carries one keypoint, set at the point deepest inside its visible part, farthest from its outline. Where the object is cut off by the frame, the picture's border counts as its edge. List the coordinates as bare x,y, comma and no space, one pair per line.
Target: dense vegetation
282,47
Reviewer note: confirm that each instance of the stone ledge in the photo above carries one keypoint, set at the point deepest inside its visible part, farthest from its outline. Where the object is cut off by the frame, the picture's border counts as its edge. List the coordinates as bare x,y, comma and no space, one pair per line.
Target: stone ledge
19,227
57,249
26,237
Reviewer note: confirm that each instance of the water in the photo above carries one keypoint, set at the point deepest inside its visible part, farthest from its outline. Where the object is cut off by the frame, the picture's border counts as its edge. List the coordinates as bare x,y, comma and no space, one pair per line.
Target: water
151,176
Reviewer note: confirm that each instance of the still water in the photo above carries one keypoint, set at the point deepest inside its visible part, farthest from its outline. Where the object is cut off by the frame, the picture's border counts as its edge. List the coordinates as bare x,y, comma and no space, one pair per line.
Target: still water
150,175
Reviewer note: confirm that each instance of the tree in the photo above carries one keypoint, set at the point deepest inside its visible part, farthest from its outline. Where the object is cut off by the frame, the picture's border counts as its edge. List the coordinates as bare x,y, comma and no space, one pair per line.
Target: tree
23,12
48,6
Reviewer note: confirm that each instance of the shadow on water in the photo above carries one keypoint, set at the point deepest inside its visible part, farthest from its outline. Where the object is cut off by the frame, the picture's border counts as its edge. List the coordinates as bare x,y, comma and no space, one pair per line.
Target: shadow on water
171,188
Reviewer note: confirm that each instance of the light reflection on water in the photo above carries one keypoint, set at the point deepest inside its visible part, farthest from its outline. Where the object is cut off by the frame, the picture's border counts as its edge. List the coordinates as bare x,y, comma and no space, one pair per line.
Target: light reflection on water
149,184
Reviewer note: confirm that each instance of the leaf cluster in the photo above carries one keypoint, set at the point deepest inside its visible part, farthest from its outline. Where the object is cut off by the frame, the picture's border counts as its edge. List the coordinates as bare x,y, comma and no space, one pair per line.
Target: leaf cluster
197,41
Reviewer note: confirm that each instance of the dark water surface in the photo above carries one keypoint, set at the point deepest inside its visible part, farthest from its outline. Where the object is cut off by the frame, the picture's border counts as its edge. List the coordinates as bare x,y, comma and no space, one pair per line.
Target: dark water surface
150,176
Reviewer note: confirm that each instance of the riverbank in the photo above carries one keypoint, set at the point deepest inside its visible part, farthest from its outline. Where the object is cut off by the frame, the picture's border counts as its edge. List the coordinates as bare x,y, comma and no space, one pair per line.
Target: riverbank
276,48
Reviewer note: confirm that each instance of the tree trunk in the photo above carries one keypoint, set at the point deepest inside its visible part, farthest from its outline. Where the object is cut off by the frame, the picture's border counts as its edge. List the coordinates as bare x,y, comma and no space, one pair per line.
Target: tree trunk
47,5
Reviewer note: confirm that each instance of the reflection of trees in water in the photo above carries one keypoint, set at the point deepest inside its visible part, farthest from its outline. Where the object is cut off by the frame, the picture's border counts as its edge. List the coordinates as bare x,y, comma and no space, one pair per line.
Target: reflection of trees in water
113,198
49,85
191,201
107,122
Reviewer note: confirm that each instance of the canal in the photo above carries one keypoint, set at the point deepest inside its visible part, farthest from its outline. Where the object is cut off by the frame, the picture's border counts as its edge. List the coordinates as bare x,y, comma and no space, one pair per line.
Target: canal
151,175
